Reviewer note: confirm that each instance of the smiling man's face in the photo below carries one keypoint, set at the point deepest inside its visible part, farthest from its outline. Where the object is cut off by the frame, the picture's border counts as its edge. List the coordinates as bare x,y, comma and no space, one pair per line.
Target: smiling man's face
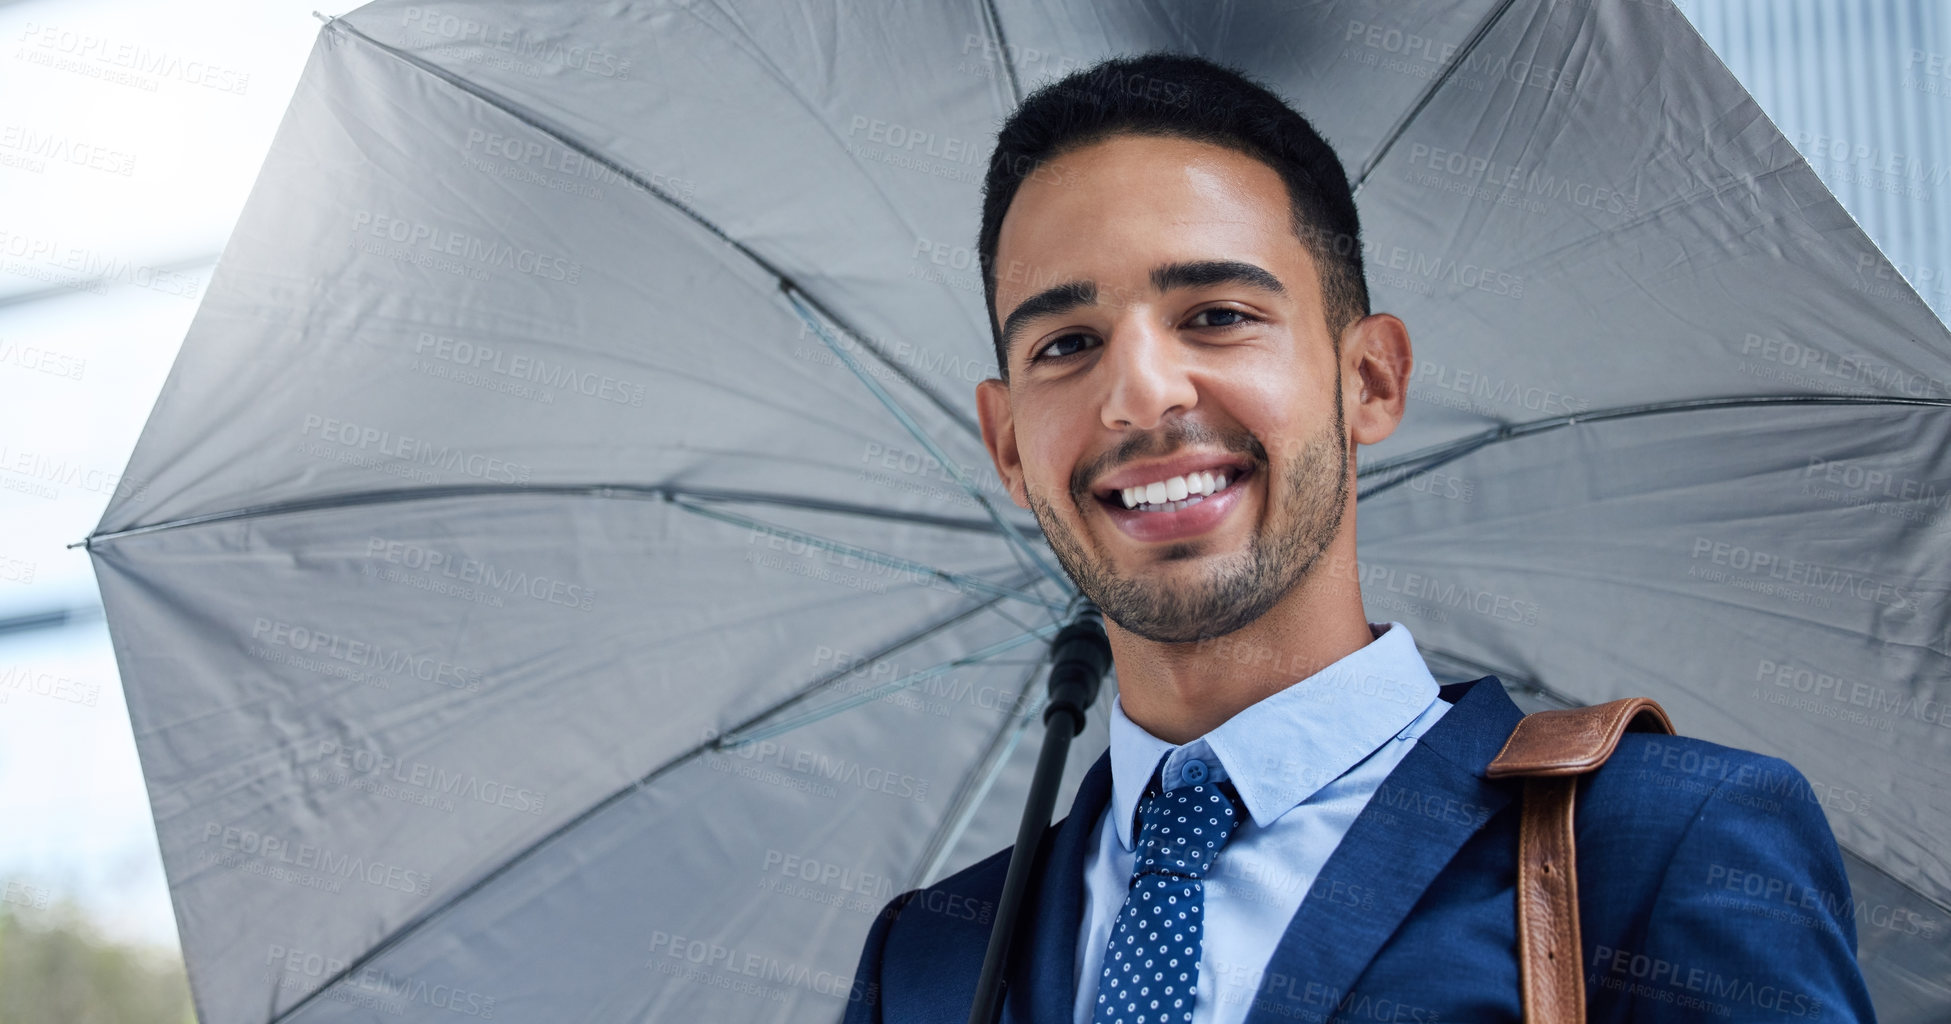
1165,332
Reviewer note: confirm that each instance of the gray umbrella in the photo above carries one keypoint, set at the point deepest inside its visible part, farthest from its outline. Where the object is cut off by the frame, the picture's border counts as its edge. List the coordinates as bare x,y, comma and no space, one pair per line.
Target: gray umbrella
570,584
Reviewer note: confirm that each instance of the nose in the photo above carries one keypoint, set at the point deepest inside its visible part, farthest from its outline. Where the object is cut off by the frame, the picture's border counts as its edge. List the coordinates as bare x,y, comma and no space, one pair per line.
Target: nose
1149,374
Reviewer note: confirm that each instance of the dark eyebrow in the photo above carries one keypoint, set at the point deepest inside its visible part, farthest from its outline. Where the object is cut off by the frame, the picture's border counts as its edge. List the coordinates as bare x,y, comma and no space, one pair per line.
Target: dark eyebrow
1206,273
1053,301
1060,299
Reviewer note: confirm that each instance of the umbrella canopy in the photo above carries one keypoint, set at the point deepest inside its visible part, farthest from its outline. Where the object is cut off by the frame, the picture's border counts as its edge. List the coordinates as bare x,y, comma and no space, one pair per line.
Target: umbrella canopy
570,583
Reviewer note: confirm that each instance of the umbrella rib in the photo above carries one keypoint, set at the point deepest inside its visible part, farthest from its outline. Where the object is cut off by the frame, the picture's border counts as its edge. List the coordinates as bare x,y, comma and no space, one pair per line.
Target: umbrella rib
400,935
562,135
753,732
842,671
1429,93
961,580
994,24
1017,543
1397,471
974,789
1012,620
1406,467
1942,906
667,492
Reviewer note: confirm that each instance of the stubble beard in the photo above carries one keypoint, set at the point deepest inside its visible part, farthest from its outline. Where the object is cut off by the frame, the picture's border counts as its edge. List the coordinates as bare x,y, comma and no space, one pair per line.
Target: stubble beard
1236,590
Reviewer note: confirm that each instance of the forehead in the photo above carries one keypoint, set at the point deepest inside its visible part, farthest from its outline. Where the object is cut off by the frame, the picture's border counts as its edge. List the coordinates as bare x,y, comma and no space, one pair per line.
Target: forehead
1110,211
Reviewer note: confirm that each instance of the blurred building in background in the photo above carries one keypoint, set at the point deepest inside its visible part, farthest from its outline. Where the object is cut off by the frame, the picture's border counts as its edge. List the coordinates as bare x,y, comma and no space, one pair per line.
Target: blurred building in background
1863,90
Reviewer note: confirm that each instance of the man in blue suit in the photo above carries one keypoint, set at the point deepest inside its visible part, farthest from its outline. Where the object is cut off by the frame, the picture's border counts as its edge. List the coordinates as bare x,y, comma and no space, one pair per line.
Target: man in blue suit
1293,820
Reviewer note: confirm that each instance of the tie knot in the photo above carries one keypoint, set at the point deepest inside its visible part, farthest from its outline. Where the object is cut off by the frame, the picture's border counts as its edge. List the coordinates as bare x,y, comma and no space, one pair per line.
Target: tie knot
1180,831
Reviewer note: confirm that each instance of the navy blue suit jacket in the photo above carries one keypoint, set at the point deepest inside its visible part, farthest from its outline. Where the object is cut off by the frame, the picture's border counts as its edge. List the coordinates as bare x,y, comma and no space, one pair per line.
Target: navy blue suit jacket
1710,888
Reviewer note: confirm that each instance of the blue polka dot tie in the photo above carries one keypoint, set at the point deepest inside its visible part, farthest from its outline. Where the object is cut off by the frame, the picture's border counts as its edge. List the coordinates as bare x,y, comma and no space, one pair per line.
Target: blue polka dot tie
1151,965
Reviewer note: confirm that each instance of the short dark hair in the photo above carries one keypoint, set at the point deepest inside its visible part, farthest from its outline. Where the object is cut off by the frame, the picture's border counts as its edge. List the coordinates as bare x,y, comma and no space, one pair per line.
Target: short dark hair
1164,94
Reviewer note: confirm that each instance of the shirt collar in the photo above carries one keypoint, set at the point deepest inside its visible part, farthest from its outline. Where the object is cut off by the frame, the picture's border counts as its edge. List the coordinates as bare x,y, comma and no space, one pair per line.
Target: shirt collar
1282,749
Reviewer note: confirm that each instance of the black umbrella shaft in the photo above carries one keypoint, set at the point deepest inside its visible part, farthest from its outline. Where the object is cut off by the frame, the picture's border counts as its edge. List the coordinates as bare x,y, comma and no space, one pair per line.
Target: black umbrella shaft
1080,655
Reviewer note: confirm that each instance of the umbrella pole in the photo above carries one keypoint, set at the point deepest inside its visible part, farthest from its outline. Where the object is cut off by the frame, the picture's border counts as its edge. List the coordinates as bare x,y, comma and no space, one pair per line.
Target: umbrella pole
1079,657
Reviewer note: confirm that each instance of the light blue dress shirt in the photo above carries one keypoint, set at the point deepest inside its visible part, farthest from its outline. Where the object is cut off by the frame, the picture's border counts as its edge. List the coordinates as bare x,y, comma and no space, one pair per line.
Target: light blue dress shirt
1305,761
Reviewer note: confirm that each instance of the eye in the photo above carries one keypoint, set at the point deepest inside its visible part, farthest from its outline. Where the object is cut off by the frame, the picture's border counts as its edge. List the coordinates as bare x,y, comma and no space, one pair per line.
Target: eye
1239,317
1056,350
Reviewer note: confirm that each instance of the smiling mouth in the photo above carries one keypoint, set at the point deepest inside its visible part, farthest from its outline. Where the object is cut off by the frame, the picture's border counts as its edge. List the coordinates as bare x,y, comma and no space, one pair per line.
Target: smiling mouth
1170,494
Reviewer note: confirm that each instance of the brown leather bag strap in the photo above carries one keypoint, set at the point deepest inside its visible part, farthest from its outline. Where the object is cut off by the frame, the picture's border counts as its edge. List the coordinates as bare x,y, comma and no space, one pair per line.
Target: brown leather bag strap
1549,750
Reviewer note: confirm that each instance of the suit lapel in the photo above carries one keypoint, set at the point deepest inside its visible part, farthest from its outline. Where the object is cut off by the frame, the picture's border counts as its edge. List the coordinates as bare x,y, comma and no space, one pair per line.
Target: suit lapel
1433,802
1045,953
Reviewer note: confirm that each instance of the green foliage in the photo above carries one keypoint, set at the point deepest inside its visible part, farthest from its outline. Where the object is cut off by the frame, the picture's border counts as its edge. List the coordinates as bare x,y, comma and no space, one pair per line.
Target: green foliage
57,968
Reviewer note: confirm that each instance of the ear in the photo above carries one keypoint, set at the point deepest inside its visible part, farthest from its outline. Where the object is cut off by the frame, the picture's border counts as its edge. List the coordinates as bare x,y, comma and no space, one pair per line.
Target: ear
1376,359
998,423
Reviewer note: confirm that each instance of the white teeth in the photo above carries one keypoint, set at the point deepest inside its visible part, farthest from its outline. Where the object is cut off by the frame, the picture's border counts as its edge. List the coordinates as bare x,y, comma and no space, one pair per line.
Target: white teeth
1174,506
1174,492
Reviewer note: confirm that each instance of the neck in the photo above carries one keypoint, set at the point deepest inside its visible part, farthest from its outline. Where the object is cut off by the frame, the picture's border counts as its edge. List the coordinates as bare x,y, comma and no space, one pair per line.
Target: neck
1182,691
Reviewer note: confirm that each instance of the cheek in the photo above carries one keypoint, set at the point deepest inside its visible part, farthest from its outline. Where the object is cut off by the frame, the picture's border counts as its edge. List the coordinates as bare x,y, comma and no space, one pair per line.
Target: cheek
1285,405
1282,419
1050,451
1037,467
